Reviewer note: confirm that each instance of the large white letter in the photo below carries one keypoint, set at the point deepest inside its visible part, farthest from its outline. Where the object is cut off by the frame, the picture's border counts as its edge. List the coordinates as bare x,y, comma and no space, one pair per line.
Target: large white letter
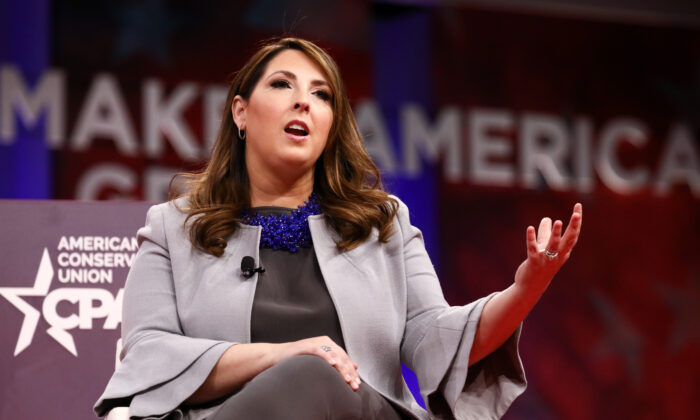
485,144
416,133
115,313
214,103
546,156
104,114
611,172
50,306
582,159
165,116
88,312
376,137
14,97
679,162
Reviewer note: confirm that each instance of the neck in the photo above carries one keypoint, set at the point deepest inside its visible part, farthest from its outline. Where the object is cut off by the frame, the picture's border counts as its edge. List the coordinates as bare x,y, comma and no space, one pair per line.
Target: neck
273,191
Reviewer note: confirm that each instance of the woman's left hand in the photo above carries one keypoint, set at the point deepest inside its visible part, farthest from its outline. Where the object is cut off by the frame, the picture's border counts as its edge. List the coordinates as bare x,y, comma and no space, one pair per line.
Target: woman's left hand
547,251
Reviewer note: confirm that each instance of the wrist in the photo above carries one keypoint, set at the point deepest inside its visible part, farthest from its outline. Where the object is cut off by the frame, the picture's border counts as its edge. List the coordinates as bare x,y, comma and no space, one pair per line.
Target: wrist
528,285
525,295
274,353
280,352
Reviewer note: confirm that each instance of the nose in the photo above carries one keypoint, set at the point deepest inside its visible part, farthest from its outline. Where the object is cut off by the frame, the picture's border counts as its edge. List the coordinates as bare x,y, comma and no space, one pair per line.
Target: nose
300,105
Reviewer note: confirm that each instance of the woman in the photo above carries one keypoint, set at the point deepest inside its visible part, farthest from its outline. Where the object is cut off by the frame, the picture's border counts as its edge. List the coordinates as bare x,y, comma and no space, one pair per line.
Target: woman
339,292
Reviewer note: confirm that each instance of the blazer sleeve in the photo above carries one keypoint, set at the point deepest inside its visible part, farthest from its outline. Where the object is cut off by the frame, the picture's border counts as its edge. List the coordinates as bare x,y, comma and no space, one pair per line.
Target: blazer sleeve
438,339
160,367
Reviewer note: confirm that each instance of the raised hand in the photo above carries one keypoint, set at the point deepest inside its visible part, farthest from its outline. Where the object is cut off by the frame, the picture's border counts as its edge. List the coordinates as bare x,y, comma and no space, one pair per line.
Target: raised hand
548,251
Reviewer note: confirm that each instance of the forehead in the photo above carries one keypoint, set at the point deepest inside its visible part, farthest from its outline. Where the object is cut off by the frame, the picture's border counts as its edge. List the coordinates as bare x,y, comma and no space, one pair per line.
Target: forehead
296,62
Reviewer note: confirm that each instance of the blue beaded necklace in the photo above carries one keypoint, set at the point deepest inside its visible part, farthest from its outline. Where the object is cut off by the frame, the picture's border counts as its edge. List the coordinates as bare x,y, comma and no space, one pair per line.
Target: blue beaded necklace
284,231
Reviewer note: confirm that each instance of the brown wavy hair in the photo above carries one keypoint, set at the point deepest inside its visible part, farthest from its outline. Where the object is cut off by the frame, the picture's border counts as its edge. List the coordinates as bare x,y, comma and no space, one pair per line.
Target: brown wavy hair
346,180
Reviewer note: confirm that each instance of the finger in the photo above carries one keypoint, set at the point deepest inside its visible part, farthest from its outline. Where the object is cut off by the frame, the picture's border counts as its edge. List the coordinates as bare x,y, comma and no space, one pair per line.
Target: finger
531,242
573,230
356,374
544,231
343,365
348,369
352,368
350,375
555,238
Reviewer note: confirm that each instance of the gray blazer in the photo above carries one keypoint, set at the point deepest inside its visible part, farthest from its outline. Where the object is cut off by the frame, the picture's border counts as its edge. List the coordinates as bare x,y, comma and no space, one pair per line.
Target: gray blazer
184,308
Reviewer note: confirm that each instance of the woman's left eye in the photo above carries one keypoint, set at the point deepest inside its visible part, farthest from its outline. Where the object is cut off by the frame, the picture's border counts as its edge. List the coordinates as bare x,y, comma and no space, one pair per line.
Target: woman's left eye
323,95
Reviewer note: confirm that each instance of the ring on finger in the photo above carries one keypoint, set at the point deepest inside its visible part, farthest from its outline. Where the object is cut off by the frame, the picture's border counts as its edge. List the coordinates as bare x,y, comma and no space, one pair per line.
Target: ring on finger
550,255
326,348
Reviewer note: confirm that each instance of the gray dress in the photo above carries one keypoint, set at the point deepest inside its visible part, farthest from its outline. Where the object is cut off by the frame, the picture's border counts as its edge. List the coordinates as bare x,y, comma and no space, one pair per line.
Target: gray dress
291,300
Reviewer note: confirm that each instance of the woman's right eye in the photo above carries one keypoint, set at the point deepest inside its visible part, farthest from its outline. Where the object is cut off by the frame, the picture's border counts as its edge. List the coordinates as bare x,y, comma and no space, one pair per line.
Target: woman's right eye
281,83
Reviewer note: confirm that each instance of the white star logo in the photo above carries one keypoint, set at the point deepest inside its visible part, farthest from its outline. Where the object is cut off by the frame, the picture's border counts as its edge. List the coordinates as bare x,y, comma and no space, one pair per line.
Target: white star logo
42,282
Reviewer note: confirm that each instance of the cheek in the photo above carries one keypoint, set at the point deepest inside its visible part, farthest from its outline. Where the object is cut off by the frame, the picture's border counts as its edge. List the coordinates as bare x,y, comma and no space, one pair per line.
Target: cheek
324,124
264,109
326,121
264,112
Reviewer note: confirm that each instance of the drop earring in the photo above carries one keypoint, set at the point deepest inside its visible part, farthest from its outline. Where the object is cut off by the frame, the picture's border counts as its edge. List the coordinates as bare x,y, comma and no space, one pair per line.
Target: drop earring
241,134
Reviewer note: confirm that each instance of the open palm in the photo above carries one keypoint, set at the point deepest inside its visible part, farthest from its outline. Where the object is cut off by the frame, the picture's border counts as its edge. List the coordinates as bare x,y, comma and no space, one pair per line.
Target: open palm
548,250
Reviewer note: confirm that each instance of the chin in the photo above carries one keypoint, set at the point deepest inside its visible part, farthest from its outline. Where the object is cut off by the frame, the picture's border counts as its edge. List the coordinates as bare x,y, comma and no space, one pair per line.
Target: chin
302,163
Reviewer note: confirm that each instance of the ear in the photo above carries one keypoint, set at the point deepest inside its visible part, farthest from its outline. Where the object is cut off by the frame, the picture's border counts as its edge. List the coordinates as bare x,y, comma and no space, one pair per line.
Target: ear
238,111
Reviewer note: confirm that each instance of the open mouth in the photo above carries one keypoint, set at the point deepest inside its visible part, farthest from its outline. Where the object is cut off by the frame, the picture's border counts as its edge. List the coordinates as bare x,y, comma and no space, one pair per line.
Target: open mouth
297,128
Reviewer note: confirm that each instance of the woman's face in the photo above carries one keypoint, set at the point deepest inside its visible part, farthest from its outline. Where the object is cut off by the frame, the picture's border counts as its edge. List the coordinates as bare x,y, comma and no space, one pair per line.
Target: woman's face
287,117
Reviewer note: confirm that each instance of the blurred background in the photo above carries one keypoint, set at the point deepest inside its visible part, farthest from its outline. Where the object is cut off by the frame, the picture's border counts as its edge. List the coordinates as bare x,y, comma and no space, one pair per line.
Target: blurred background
484,116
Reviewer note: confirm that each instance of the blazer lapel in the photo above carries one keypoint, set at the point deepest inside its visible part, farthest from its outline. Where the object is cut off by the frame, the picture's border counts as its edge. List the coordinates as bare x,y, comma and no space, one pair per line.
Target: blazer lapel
339,272
244,242
370,303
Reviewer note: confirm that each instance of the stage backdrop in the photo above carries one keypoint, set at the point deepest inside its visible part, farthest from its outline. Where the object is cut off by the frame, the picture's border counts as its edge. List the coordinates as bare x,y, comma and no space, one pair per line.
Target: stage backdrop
64,265
483,119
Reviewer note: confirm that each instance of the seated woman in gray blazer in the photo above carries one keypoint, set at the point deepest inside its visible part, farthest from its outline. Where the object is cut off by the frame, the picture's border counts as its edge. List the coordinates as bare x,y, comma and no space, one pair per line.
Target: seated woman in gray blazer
347,292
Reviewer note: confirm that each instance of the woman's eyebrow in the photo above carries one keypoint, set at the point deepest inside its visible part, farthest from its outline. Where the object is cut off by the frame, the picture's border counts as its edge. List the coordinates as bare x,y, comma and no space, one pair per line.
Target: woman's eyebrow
292,76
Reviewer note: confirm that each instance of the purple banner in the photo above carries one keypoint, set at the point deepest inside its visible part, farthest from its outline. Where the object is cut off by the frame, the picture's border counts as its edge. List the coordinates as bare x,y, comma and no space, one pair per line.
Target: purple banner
63,267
